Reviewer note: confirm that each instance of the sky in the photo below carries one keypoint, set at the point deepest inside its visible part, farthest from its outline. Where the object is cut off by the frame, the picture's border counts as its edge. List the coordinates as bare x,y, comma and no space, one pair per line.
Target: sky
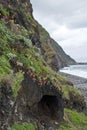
66,22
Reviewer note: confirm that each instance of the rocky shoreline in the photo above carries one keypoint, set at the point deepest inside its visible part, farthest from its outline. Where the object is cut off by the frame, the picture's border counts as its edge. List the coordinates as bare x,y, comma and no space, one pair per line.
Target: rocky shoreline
79,83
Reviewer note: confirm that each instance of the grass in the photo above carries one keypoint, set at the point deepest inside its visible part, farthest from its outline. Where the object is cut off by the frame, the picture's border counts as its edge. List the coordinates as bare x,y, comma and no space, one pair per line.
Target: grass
73,98
44,35
5,68
74,121
19,45
67,89
16,84
3,11
29,56
24,126
15,38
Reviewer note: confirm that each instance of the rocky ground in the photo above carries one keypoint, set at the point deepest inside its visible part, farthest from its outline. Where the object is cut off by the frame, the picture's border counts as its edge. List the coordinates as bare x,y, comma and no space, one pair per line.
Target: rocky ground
79,83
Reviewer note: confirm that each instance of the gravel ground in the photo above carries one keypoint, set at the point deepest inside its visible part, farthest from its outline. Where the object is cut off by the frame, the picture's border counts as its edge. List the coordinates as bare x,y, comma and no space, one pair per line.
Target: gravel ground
79,83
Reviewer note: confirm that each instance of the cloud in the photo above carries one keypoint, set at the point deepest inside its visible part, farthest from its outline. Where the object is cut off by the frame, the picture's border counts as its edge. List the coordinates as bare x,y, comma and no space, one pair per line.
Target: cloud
78,53
69,12
66,21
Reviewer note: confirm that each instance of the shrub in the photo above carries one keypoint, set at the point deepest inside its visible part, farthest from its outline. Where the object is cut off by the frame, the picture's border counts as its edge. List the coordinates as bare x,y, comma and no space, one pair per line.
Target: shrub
74,121
3,11
24,126
16,84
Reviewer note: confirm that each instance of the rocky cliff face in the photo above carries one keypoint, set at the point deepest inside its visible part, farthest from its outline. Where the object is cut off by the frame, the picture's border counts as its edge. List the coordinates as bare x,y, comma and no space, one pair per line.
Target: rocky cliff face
31,93
53,53
20,12
65,59
37,103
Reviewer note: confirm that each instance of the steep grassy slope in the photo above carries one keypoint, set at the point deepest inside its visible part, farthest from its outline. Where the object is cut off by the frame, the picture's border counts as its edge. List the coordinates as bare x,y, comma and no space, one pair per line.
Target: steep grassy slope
25,48
74,121
60,52
53,53
18,55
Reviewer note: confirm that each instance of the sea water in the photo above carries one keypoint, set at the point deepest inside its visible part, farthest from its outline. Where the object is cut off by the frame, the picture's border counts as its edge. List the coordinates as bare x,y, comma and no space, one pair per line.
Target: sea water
78,70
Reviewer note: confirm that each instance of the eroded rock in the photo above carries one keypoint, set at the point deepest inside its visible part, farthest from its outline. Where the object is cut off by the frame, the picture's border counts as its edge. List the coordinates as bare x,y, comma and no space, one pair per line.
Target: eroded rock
6,104
38,102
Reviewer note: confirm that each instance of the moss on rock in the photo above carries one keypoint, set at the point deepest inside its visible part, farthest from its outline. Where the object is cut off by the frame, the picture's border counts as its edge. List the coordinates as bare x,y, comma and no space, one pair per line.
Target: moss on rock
74,121
23,126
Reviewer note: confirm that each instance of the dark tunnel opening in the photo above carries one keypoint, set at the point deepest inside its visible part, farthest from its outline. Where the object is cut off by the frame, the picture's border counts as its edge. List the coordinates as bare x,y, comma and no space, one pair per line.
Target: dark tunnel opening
49,106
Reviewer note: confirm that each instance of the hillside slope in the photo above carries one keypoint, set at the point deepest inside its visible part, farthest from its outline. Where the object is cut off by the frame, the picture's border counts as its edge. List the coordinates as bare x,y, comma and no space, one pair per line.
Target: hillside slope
63,56
53,53
20,12
32,95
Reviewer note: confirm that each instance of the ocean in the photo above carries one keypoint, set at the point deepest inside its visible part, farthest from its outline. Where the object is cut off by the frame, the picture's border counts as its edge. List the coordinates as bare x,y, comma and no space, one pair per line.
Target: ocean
78,70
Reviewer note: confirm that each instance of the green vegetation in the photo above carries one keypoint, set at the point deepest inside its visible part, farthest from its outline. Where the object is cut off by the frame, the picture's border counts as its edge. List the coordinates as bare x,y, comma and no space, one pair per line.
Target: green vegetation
73,98
67,89
74,121
29,22
3,12
5,36
18,47
24,126
34,62
5,68
45,39
17,55
61,54
16,84
44,35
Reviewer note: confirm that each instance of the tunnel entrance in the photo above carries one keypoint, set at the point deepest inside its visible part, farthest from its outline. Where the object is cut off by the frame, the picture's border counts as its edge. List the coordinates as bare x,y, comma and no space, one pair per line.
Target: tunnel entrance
49,106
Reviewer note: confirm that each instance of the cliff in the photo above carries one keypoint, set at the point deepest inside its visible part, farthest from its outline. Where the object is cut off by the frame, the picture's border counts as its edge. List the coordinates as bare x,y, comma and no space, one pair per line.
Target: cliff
32,94
66,59
54,55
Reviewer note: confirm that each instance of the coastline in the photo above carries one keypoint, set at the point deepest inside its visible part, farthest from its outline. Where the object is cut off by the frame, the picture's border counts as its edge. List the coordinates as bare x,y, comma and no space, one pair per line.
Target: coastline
79,83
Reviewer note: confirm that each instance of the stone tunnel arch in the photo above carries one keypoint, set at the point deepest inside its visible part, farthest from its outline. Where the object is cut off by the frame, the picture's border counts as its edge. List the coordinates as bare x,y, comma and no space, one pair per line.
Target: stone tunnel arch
51,107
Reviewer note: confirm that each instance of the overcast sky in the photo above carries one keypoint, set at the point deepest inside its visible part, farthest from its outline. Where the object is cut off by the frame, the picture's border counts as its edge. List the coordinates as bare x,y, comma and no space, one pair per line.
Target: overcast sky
66,21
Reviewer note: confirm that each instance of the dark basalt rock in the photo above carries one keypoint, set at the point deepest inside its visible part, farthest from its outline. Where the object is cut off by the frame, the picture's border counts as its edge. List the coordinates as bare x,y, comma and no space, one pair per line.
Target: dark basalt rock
6,103
39,102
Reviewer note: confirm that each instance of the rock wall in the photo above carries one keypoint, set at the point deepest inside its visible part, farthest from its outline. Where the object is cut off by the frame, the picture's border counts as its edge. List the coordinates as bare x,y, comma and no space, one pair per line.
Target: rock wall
6,104
38,102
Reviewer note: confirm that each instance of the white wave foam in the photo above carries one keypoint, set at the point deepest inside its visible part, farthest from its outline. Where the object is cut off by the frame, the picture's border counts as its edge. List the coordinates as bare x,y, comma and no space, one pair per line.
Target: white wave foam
78,70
